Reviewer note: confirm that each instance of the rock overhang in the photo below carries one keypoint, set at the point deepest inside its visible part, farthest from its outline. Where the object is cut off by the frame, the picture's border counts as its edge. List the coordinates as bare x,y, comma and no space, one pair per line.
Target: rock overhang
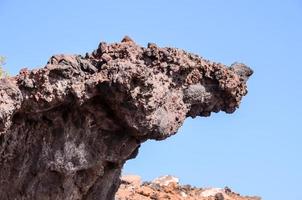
90,113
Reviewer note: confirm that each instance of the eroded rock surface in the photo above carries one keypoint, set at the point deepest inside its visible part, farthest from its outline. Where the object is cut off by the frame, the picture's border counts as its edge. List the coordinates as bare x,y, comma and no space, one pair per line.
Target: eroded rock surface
67,129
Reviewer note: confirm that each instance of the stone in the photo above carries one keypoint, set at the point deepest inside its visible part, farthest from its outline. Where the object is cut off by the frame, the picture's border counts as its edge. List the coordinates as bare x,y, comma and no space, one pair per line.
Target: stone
166,180
67,129
132,179
174,191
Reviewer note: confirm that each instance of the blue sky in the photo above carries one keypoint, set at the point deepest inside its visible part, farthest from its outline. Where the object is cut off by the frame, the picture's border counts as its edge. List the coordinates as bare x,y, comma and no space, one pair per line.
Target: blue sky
258,149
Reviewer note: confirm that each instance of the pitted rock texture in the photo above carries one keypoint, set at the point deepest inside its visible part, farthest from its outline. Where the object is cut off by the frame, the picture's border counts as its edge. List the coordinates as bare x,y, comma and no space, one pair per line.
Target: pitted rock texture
67,129
169,188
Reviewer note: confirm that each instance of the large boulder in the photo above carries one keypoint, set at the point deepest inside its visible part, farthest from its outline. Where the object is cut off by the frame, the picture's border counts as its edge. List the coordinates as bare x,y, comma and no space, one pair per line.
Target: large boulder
67,129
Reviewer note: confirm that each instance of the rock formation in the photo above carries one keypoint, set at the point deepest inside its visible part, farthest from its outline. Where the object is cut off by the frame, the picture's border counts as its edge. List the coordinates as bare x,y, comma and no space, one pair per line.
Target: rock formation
67,129
168,188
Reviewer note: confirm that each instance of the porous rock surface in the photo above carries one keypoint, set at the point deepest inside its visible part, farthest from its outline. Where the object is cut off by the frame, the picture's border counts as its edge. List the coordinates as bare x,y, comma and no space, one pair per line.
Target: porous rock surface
67,129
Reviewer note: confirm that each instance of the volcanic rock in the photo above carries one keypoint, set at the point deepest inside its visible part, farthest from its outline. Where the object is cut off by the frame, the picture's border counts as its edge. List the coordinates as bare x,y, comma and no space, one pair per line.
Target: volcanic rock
67,129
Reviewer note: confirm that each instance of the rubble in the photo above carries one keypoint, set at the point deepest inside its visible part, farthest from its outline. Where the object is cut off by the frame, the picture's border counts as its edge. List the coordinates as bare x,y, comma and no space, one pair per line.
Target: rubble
163,190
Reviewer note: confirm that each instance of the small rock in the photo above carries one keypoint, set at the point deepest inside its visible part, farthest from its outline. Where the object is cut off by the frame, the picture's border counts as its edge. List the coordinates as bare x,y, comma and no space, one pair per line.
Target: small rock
219,196
211,192
127,39
152,45
166,180
132,179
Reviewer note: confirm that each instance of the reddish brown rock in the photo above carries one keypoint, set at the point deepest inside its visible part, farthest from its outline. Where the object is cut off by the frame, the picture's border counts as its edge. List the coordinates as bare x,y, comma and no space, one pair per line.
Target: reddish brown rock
67,129
168,188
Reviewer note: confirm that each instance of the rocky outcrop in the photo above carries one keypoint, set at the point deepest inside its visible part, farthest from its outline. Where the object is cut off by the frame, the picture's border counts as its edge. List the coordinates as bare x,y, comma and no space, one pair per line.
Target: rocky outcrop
67,129
169,188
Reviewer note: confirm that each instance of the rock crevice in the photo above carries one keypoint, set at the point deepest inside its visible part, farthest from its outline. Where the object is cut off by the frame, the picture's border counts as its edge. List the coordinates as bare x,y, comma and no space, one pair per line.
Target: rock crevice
67,129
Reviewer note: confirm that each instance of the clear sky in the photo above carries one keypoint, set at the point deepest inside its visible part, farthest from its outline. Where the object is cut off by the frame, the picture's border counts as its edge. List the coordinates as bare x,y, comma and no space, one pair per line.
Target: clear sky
258,149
